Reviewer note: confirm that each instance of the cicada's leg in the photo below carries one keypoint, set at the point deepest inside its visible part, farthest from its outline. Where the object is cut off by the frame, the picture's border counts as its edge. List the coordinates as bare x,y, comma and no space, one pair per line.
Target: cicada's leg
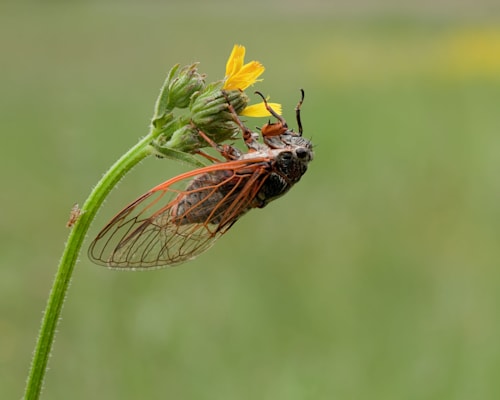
271,111
272,129
250,138
281,126
207,156
227,151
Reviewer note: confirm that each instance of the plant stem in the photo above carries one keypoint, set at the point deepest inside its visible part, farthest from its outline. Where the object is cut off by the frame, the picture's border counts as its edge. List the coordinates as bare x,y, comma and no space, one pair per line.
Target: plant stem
68,261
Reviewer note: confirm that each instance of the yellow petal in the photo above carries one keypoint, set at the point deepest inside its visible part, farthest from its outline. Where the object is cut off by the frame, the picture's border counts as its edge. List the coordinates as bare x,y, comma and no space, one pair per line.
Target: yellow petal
235,60
250,72
245,77
259,110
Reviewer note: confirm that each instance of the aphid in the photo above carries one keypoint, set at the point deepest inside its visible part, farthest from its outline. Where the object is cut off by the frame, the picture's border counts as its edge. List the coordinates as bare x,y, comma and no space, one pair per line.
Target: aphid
179,219
73,215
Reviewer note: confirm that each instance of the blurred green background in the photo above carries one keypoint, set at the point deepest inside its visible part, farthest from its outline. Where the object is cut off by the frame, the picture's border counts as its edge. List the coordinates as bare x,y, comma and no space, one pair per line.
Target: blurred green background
377,277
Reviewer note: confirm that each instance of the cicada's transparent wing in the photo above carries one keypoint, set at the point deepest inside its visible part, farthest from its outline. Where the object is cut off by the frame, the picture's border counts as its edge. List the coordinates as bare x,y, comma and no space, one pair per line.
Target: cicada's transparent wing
179,219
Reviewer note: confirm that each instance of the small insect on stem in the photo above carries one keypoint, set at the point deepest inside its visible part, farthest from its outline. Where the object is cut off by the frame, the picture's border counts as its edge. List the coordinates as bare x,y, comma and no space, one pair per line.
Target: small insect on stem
74,215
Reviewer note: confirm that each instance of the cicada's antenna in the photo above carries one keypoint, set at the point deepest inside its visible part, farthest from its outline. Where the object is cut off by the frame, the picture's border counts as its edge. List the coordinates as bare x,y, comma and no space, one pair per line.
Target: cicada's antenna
297,111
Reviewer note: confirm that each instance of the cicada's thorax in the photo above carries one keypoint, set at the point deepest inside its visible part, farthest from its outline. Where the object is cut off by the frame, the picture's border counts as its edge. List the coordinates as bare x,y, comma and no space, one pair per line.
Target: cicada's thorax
217,197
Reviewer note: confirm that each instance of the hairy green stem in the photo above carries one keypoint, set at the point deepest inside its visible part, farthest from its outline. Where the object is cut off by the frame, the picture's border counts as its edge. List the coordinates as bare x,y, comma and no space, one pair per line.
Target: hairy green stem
68,261
170,136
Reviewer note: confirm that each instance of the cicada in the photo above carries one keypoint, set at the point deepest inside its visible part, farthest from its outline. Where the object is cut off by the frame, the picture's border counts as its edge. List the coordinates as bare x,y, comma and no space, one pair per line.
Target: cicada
179,219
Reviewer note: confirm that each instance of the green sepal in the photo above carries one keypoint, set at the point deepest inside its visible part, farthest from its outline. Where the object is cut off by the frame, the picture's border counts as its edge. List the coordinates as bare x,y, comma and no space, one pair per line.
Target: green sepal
161,105
176,155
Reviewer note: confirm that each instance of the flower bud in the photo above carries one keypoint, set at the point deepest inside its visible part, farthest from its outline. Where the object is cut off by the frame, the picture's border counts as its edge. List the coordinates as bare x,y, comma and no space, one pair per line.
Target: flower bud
185,139
177,90
210,111
181,88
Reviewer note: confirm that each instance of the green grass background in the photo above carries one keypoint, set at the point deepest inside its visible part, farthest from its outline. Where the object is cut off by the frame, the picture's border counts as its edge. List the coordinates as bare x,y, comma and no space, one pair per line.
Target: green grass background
377,277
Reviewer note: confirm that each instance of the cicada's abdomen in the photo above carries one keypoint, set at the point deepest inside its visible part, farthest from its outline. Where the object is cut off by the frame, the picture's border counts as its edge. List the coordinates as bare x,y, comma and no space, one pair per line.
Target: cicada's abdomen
205,199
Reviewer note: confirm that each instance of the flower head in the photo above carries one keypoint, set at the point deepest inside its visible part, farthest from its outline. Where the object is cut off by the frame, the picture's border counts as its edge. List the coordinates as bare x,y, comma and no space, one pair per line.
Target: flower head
240,76
212,108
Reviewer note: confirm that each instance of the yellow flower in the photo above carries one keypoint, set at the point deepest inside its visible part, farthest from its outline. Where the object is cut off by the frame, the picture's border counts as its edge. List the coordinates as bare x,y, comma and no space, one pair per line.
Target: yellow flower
240,76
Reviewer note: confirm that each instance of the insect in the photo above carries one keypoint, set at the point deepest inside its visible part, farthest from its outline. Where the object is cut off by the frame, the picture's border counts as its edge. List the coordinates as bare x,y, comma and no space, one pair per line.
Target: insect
74,215
179,219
